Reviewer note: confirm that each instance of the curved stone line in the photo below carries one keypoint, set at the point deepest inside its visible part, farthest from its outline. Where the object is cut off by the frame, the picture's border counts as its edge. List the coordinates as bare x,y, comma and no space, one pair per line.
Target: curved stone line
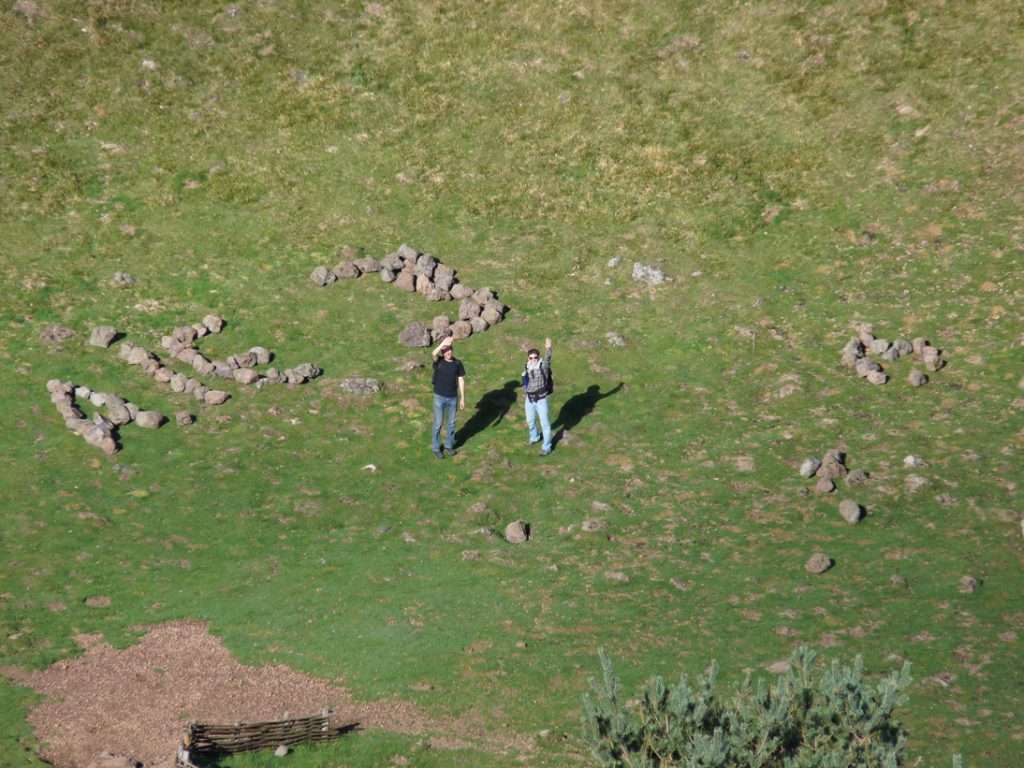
413,271
100,431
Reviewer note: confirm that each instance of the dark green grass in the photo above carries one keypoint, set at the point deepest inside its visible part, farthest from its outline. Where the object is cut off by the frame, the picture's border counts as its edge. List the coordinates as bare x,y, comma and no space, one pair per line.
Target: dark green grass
796,170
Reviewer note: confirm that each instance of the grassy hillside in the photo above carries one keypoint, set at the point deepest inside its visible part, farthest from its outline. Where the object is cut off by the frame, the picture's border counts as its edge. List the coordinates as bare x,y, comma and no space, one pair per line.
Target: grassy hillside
797,169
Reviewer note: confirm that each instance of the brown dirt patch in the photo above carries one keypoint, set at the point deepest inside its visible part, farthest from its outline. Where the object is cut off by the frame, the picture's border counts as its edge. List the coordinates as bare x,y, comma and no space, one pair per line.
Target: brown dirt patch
134,702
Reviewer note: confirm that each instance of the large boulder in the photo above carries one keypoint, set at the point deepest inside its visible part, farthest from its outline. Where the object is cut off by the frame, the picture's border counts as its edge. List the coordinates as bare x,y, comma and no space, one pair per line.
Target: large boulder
103,336
149,419
517,532
461,330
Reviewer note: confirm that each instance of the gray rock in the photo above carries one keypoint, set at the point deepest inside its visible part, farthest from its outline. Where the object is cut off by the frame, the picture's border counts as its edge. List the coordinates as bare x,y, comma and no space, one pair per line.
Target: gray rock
185,334
460,291
914,461
242,360
479,325
933,360
618,576
54,334
177,382
444,277
877,377
393,262
914,483
969,584
436,294
133,409
360,386
367,264
491,315
199,393
833,464
162,375
187,355
850,511
614,261
461,330
440,324
809,466
103,336
916,378
866,335
322,276
615,339
274,376
309,370
856,477
425,265
222,370
388,275
213,323
215,397
849,359
818,563
408,253
482,295
117,410
150,367
55,386
825,485
903,346
347,270
201,330
517,532
899,581
82,393
468,309
291,376
890,354
99,399
123,280
855,347
149,419
879,346
424,285
415,334
919,344
866,365
246,376
261,355
203,366
406,281
281,750
643,273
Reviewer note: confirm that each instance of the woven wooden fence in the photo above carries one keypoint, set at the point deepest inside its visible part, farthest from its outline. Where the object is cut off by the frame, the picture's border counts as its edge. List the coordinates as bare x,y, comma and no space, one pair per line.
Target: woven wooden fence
200,740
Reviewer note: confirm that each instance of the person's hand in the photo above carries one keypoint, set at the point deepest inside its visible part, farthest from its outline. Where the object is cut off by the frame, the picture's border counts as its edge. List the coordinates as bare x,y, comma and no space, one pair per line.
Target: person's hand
547,343
462,402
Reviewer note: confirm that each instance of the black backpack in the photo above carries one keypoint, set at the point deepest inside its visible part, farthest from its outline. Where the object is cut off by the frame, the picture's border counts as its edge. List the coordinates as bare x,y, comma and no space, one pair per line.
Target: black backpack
549,380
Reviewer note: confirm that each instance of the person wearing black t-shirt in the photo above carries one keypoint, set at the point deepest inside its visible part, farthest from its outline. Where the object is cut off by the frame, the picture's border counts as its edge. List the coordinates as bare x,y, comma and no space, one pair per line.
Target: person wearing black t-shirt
449,395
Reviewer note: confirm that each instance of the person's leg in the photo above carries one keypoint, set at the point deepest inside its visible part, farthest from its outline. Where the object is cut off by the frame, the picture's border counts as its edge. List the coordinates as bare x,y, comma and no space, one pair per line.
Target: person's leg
453,408
545,424
438,416
531,420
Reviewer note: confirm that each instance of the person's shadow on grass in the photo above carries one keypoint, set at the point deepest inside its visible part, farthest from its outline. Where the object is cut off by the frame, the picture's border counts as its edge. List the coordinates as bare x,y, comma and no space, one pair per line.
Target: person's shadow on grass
490,410
577,408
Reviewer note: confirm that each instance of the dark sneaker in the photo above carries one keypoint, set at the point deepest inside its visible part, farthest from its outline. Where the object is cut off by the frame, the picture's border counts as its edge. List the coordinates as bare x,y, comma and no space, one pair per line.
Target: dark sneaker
450,452
543,452
438,454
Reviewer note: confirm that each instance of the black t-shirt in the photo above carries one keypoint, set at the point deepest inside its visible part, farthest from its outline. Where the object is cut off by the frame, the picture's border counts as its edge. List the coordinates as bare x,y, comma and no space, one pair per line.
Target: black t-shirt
446,377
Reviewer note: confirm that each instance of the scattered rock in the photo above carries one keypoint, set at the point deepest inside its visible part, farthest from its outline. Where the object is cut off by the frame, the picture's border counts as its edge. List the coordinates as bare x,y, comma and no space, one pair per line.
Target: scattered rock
877,377
97,602
592,524
914,461
123,280
809,467
916,378
149,419
281,751
851,511
615,339
899,581
914,483
54,334
360,386
833,464
818,563
183,418
213,323
857,477
322,276
825,485
517,532
415,334
969,584
619,576
215,397
103,336
643,273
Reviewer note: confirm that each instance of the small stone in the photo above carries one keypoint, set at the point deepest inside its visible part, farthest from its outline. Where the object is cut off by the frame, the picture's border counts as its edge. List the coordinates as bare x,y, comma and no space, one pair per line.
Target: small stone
281,751
866,365
117,411
183,418
360,386
914,461
461,330
54,334
103,336
825,485
903,346
592,524
899,581
879,346
857,477
916,378
346,270
850,511
162,375
491,315
406,281
213,323
890,354
809,467
914,483
517,532
177,382
322,276
643,273
482,295
123,280
215,397
478,324
615,339
969,584
460,291
149,419
919,344
833,464
187,355
245,376
614,261
261,355
82,393
818,563
877,377
99,399
618,576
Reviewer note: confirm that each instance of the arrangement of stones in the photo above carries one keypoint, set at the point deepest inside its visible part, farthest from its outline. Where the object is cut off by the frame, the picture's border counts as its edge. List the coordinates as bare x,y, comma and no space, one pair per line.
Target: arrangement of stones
855,356
828,470
180,344
415,272
100,430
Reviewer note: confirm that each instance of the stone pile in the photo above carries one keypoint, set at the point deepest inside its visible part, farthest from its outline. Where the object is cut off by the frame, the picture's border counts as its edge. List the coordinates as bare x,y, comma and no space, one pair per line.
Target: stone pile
828,470
856,353
414,272
101,429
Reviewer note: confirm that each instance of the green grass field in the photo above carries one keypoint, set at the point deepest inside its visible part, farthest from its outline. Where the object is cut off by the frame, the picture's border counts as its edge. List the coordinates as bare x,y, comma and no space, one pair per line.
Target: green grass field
797,168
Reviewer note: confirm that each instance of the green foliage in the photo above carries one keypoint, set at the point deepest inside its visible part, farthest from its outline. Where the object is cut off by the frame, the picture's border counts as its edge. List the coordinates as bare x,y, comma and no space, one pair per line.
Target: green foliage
808,718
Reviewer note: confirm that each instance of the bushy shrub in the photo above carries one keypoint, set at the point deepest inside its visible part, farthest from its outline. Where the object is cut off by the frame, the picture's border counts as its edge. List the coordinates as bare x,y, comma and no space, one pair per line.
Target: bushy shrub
809,718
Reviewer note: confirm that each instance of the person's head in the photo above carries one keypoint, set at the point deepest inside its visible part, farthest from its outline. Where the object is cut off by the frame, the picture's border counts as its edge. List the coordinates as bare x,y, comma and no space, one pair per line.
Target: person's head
533,355
448,352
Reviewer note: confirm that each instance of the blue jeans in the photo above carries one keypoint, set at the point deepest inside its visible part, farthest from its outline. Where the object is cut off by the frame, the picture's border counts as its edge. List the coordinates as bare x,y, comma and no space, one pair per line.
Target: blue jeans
534,411
442,404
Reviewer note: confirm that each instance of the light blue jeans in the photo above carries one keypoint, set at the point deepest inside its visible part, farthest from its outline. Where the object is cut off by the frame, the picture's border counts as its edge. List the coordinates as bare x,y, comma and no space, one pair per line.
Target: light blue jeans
534,411
442,404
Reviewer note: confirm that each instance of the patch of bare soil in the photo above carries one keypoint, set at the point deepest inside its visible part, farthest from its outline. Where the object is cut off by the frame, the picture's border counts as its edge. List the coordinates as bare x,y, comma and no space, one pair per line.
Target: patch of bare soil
134,702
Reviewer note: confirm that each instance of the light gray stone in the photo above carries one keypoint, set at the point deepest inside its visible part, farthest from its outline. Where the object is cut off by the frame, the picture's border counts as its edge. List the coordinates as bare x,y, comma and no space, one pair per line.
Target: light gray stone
360,386
643,273
415,334
246,376
516,532
102,336
809,466
149,419
213,323
215,396
818,563
322,276
850,511
261,355
461,330
916,378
